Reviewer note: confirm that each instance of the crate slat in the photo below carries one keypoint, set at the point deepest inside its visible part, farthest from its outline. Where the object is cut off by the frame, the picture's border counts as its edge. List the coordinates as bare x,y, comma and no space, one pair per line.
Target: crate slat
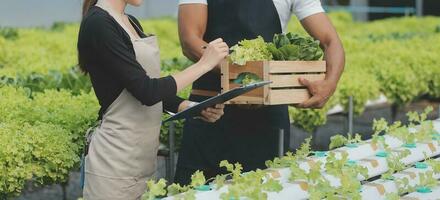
254,93
224,68
246,100
297,66
288,96
291,80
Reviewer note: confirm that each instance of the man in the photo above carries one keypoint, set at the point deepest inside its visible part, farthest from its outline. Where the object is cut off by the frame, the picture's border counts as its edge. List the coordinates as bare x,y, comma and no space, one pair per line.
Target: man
247,136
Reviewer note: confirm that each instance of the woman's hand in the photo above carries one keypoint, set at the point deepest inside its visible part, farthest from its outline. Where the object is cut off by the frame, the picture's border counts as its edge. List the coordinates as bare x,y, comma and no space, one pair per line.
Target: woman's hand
214,53
213,114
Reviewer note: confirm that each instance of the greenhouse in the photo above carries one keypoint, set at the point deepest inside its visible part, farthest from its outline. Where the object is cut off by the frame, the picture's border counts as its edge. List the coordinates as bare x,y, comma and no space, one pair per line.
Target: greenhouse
210,99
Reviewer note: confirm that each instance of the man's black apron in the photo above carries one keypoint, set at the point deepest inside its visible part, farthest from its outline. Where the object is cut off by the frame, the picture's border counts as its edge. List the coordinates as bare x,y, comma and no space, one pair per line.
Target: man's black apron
247,136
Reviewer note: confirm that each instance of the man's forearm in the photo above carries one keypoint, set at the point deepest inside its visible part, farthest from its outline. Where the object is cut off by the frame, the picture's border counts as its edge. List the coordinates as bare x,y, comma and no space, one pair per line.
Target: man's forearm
192,21
335,60
320,27
192,47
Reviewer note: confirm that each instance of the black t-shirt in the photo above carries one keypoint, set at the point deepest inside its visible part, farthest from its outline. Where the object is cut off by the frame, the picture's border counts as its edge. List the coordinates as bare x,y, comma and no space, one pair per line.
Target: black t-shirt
106,53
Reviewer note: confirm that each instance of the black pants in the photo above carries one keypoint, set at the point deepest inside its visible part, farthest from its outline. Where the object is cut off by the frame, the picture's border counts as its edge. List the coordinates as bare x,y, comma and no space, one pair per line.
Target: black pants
201,149
247,136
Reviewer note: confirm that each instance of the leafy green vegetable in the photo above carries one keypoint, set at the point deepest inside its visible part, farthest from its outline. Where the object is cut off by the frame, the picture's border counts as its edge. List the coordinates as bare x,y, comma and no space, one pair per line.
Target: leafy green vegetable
323,190
414,117
284,161
338,167
426,128
250,50
276,53
197,179
188,195
395,164
249,185
235,169
280,40
423,132
304,150
290,52
308,119
403,185
294,47
379,126
434,164
155,189
40,152
247,78
291,159
427,179
219,181
339,140
284,47
272,185
296,173
8,33
41,137
176,188
392,196
333,165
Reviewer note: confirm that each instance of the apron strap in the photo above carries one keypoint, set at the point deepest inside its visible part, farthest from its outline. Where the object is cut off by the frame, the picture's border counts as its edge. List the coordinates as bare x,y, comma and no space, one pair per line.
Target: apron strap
118,19
88,139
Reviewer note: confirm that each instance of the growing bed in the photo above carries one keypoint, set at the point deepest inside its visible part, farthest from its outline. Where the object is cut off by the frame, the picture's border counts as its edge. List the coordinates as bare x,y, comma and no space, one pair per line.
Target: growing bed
368,155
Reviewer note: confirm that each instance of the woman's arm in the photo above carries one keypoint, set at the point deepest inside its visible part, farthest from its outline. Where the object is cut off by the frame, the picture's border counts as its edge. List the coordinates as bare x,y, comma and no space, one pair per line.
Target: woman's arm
108,46
215,52
174,104
178,104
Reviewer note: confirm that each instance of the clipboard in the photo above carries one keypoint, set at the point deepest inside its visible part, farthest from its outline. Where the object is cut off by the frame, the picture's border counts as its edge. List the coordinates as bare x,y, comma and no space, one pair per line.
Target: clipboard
194,111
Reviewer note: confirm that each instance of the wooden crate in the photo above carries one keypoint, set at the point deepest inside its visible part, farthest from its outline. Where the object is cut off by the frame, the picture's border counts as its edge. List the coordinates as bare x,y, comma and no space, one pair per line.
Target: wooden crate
285,88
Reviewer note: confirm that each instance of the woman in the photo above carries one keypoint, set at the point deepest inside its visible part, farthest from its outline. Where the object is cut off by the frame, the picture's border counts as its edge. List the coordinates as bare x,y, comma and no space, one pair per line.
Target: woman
124,67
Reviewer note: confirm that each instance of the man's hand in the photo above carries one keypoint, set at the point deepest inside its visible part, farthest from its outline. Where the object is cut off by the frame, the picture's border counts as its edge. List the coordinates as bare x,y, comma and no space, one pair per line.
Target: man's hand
321,91
320,27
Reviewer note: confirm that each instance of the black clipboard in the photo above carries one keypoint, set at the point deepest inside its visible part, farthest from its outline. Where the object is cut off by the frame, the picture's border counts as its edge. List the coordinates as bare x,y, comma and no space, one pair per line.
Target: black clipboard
221,98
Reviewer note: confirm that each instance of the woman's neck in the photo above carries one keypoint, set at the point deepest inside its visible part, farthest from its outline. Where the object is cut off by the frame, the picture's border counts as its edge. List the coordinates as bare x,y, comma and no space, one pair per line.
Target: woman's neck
116,5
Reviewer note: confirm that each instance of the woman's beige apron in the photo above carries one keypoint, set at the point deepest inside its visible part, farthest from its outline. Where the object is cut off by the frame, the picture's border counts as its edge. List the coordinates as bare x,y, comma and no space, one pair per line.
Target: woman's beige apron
123,149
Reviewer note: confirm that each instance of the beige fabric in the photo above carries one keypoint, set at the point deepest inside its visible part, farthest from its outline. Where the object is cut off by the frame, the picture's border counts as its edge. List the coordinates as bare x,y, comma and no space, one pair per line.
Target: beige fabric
123,149
104,188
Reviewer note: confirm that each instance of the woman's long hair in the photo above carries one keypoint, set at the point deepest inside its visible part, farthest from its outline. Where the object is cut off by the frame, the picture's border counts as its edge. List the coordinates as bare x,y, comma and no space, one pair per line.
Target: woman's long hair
86,6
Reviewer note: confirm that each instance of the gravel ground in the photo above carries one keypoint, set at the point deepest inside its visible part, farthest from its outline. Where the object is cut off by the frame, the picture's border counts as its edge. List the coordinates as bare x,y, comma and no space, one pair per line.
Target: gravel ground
335,124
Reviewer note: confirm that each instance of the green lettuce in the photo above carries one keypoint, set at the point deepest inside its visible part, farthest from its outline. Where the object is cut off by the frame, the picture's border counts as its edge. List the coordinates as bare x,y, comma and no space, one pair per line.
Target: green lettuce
294,47
250,50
